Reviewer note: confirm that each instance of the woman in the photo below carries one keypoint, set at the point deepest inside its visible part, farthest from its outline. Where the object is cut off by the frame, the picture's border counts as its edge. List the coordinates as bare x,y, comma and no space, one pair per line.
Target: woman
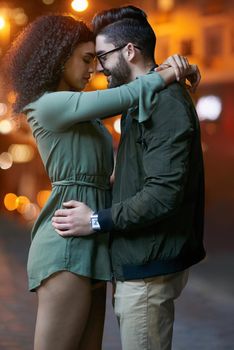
52,58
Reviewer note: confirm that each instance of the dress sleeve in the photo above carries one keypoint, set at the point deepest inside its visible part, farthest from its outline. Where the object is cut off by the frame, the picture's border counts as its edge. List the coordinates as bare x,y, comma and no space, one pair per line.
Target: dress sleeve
58,111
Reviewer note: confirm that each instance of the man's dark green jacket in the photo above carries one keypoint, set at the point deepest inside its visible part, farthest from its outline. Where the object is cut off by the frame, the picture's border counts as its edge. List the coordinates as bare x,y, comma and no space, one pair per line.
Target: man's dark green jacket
158,197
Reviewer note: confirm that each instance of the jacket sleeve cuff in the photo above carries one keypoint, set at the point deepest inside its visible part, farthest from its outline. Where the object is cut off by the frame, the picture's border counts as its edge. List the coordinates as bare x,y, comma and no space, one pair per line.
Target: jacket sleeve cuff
105,220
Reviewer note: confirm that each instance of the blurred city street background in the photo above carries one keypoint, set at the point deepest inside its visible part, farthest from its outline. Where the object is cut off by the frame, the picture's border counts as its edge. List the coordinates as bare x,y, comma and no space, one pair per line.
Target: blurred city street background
202,30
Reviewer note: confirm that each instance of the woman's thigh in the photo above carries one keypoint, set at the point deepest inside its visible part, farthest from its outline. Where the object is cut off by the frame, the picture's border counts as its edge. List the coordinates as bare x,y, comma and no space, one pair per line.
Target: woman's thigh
64,302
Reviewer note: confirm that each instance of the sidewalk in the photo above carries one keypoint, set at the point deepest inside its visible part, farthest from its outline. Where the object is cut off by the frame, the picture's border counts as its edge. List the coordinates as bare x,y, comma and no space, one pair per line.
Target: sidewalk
204,312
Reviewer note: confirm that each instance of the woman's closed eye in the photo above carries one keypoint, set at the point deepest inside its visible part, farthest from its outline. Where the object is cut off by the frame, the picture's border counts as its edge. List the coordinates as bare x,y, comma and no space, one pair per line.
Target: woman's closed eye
88,59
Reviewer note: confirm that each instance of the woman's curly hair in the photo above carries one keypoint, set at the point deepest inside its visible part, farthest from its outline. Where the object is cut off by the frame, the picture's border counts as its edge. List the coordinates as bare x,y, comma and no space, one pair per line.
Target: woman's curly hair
35,60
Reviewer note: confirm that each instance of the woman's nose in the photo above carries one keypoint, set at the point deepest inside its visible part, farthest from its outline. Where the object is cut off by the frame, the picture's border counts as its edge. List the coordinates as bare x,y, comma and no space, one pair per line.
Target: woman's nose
91,68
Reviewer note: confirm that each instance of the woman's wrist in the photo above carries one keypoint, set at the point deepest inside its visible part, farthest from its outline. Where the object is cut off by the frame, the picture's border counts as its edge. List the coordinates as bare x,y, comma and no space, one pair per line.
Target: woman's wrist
168,75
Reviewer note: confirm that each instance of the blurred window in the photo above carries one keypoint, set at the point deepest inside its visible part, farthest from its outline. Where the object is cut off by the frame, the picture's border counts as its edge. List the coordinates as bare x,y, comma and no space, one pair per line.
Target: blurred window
213,41
186,47
162,48
211,7
232,39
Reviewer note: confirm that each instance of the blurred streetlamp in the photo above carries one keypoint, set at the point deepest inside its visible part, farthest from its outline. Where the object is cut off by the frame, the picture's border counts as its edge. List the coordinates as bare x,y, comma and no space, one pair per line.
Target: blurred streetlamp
8,18
4,31
2,22
79,5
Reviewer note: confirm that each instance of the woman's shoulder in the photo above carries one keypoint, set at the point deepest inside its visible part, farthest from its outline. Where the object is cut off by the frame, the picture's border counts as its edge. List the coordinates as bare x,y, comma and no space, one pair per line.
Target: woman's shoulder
48,99
34,104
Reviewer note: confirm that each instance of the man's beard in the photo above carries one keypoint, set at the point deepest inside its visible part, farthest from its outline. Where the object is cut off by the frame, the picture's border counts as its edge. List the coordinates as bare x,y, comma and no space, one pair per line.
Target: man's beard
118,75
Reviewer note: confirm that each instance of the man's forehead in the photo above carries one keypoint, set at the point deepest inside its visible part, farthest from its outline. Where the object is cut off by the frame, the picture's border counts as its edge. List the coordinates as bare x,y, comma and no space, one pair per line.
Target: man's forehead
102,45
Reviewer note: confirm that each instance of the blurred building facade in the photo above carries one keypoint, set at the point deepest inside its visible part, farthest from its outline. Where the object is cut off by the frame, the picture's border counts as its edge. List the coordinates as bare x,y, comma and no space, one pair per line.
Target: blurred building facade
203,31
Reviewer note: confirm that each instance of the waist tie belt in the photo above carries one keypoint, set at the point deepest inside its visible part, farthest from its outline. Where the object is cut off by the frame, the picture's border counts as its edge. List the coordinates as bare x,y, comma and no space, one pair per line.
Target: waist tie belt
81,183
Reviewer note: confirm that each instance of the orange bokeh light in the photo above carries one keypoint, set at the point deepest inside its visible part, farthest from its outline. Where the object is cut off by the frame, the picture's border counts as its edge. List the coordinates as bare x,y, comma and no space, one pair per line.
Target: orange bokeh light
11,97
42,197
10,201
22,202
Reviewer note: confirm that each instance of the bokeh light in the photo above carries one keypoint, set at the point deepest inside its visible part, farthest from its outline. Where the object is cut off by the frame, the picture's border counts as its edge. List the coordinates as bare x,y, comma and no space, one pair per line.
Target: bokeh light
31,211
3,109
165,5
117,126
5,160
42,197
79,5
48,2
209,107
2,22
99,82
21,153
21,203
21,19
5,126
10,201
11,97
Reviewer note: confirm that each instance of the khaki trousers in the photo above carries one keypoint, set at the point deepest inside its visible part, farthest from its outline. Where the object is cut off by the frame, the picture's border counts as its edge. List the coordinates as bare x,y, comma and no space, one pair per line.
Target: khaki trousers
145,310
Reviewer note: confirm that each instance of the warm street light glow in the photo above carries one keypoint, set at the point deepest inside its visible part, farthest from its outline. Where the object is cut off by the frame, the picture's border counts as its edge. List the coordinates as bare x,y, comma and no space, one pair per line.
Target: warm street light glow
22,202
6,161
11,97
21,19
48,2
99,82
5,126
117,126
165,5
10,201
21,153
31,211
2,22
19,16
3,109
209,108
79,5
42,197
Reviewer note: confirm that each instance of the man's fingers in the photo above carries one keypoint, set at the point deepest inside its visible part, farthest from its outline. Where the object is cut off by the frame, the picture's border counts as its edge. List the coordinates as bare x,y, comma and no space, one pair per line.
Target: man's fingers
72,204
61,227
194,78
60,219
184,62
64,233
61,212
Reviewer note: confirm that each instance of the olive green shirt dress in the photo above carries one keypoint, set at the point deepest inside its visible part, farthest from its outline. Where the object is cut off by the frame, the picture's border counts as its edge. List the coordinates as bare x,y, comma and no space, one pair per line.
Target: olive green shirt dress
78,157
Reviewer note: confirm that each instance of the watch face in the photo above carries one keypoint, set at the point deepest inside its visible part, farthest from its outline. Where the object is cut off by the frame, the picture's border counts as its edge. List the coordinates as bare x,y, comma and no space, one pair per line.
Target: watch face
94,222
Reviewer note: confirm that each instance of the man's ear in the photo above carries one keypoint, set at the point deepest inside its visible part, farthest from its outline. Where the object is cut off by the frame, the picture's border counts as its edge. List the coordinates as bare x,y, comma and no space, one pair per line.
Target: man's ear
130,52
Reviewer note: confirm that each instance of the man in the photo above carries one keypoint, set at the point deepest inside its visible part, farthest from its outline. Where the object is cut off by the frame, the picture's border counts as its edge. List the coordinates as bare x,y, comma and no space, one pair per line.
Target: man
156,220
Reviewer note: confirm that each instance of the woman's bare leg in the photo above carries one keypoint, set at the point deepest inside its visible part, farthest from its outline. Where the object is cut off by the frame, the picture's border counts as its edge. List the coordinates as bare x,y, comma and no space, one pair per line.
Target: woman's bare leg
92,337
64,302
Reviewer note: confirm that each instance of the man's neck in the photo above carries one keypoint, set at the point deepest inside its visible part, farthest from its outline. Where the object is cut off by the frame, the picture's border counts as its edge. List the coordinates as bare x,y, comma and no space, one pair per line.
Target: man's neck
141,69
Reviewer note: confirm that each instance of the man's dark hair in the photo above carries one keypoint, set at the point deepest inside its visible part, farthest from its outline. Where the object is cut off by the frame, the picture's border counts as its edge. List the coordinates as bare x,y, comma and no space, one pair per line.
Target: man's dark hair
126,24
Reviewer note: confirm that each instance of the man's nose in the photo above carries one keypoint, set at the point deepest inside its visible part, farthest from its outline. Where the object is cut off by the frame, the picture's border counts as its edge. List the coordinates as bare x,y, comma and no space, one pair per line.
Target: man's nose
99,67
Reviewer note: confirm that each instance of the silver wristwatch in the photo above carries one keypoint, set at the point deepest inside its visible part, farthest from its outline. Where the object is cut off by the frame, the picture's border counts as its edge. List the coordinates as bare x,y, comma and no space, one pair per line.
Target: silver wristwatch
94,222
